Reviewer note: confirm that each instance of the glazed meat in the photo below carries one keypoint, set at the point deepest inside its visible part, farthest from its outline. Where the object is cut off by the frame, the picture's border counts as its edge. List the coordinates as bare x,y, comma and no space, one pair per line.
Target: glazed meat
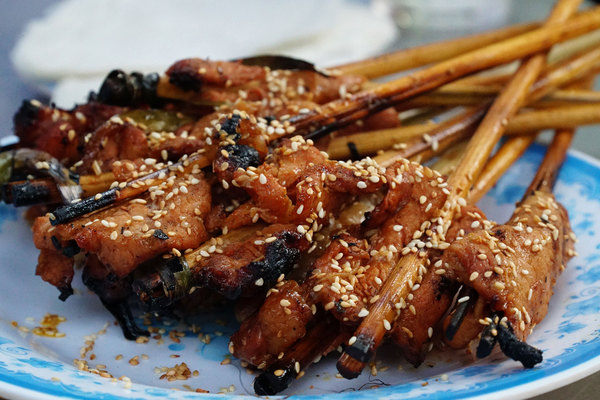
169,216
422,311
222,81
514,267
59,132
344,280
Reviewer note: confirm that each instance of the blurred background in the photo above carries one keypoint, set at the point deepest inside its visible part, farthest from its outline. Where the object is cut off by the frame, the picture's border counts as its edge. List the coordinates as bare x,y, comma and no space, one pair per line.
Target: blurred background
60,50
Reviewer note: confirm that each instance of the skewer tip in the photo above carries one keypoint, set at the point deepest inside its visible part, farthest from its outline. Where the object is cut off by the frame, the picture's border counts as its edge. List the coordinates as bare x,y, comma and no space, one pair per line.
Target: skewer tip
349,367
270,383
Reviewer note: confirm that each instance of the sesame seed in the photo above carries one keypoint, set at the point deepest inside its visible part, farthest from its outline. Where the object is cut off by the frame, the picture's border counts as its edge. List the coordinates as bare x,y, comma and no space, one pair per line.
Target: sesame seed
473,276
463,299
363,313
259,282
317,288
262,179
285,303
429,332
498,285
352,340
422,199
387,325
114,235
361,185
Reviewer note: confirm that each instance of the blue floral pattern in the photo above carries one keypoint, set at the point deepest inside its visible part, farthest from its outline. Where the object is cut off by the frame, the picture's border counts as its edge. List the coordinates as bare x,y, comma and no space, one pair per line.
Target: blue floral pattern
570,335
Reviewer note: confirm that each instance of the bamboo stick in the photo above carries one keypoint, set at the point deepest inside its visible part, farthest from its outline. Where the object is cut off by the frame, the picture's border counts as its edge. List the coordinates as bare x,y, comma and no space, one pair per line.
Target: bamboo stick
576,67
429,53
400,281
339,113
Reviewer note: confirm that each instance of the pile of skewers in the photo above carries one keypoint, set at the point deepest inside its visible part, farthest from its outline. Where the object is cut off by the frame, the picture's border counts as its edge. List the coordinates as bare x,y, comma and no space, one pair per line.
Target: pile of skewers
298,191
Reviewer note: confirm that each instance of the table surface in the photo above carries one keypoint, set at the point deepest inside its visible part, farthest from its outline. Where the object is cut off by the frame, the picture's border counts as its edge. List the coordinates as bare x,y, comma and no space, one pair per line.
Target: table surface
15,14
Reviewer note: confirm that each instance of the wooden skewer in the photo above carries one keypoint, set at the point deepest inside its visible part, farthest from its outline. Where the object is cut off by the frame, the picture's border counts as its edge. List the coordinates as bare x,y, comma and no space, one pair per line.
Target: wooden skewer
474,95
581,64
400,281
514,149
125,190
392,62
498,164
341,112
406,59
324,335
448,160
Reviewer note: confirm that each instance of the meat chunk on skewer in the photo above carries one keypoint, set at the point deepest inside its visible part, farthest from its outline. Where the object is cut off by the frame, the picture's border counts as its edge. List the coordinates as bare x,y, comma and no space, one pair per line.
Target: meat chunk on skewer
223,81
129,233
514,267
422,311
59,132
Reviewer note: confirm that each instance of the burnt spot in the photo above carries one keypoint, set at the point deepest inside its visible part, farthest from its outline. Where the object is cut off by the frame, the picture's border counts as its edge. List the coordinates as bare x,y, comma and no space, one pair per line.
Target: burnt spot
26,194
368,216
121,89
516,349
269,118
71,249
26,115
159,234
185,80
113,293
65,292
354,154
279,258
443,287
500,234
230,126
242,156
56,243
338,307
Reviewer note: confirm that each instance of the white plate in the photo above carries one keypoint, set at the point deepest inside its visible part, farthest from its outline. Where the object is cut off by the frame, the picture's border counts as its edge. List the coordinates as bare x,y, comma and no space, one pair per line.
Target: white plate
36,367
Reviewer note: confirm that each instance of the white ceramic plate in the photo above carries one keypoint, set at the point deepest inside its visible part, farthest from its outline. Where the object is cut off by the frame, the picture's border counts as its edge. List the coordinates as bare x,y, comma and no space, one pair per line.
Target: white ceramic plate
37,367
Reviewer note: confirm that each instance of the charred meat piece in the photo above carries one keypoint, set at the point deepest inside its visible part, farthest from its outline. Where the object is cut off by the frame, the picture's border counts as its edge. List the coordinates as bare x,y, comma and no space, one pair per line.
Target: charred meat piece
124,235
279,323
222,81
514,267
59,132
397,225
422,311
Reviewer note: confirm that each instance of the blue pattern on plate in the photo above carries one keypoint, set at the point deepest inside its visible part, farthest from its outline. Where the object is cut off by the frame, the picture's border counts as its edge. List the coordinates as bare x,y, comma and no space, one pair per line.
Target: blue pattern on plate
574,340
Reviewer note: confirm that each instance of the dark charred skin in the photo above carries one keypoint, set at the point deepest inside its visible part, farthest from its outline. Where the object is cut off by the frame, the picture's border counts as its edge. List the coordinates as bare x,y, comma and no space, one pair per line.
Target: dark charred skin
513,348
26,115
51,129
72,211
113,293
155,282
242,156
280,256
122,89
230,125
27,194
